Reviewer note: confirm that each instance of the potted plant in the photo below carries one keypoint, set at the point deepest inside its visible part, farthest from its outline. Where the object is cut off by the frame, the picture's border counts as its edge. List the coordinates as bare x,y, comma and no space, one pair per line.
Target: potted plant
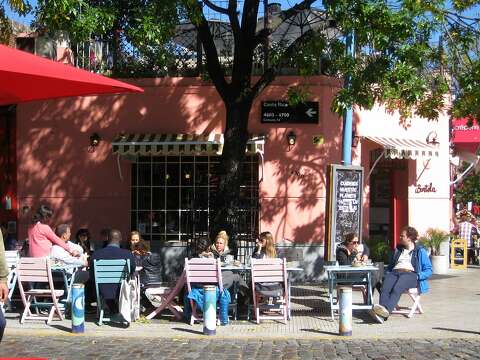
433,239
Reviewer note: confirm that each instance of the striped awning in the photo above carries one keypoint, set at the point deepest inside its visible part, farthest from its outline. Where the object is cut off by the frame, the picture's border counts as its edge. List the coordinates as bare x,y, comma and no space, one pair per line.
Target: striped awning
401,148
178,144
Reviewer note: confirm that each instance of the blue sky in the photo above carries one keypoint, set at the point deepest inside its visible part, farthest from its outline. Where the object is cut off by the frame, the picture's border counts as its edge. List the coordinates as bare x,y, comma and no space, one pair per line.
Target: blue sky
26,20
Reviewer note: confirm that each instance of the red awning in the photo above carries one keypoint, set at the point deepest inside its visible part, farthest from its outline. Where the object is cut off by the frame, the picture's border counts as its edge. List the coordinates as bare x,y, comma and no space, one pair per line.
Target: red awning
465,137
26,77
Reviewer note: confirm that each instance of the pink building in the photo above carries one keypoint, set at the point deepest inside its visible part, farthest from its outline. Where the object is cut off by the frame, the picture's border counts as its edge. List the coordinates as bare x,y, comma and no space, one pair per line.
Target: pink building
162,186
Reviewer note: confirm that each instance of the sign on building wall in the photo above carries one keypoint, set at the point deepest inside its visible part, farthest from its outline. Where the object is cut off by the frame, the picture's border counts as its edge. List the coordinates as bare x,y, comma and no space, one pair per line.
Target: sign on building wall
279,111
344,205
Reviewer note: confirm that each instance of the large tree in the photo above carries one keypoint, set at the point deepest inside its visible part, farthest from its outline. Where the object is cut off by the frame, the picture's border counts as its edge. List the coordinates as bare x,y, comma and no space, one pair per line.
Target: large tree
400,59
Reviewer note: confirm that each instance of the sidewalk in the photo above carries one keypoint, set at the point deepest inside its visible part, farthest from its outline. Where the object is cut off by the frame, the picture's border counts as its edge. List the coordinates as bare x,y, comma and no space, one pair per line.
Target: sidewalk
450,311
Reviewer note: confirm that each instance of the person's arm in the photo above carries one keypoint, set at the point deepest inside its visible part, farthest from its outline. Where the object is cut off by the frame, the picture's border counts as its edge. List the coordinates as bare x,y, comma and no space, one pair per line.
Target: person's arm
366,251
58,253
342,258
425,265
54,239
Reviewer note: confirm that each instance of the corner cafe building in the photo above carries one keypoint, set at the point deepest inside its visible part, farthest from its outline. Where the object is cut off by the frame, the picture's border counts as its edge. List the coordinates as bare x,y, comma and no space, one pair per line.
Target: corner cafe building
154,167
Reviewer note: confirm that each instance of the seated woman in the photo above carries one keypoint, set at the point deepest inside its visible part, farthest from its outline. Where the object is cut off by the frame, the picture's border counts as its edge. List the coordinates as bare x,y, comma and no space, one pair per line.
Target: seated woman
82,238
203,249
265,246
134,239
151,263
220,248
349,251
265,249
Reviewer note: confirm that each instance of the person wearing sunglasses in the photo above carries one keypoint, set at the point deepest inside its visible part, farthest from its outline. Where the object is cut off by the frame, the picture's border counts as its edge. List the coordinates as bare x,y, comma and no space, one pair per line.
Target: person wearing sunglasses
350,250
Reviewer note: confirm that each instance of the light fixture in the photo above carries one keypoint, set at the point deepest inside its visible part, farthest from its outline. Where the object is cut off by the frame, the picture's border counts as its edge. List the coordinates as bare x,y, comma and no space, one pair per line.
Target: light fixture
432,138
94,142
355,140
291,139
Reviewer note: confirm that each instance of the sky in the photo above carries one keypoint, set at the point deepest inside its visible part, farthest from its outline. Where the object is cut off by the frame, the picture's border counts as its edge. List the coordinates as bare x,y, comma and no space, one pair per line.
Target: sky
27,20
285,5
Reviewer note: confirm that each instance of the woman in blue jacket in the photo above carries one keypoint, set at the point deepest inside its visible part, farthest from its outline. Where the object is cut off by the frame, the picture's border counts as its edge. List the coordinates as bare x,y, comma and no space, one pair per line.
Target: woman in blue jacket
409,268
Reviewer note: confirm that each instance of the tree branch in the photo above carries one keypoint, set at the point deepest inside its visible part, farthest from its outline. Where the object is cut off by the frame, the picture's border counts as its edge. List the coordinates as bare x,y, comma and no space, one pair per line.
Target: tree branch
232,16
304,5
262,35
216,8
213,64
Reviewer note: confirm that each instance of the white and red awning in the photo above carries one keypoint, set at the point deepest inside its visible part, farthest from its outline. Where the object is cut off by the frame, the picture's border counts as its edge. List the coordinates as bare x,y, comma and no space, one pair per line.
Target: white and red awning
402,148
464,137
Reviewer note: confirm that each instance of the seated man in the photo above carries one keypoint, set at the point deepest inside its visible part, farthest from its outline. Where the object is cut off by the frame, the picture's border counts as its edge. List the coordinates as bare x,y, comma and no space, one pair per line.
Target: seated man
110,292
410,268
62,257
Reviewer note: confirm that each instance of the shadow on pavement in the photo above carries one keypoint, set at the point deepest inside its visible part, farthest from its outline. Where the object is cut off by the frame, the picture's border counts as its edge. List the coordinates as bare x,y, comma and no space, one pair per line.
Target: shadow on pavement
457,330
320,332
62,328
189,331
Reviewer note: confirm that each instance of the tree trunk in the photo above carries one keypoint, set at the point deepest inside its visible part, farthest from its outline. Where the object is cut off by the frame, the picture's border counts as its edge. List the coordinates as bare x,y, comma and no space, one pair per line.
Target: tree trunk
226,201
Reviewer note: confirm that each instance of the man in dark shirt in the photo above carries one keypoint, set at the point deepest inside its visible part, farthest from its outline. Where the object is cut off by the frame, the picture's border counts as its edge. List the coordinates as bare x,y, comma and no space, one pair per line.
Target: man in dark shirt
112,251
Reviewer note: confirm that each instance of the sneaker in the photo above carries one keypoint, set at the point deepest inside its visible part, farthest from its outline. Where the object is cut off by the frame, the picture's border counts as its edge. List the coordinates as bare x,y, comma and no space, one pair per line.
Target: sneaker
375,317
380,310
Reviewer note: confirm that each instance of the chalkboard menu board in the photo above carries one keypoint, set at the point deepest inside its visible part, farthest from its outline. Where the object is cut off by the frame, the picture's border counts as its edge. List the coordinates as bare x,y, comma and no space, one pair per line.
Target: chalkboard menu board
344,205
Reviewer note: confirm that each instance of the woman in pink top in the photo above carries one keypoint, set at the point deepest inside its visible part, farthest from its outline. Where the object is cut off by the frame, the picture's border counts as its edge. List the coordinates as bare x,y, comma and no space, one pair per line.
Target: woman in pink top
41,237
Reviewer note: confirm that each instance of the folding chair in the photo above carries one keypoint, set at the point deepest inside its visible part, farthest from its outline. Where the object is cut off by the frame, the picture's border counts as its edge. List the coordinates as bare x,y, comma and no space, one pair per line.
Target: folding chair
166,296
37,270
12,257
416,306
108,272
202,271
268,271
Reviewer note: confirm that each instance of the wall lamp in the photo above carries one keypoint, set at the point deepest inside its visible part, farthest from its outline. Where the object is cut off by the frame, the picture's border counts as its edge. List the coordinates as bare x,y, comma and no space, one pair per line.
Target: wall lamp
291,139
355,140
432,138
94,142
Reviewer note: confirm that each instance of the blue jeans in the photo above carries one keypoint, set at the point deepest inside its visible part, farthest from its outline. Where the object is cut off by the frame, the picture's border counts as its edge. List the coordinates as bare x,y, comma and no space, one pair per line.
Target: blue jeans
3,324
394,285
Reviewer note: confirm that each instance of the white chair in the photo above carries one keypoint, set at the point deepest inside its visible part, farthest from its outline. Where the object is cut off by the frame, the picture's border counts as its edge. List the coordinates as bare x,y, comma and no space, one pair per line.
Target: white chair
37,270
270,271
12,257
415,308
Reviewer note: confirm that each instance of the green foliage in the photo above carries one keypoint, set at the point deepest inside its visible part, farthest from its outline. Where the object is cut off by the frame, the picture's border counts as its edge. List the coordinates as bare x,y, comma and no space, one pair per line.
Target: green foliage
433,239
469,188
298,95
379,249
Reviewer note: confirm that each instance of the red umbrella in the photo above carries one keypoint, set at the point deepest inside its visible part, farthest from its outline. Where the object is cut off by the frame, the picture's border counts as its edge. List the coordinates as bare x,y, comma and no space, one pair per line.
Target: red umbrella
27,77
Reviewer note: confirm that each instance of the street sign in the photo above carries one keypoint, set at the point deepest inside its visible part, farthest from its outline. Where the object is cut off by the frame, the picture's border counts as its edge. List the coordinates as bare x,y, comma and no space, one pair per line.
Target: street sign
279,111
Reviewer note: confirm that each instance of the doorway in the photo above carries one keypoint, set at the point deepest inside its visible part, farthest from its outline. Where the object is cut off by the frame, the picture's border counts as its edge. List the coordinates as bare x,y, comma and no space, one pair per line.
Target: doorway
388,198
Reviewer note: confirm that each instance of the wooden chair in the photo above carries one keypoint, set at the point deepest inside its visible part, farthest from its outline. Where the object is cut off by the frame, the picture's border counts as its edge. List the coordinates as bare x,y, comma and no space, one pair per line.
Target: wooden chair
12,257
416,307
202,271
108,272
167,296
37,271
270,271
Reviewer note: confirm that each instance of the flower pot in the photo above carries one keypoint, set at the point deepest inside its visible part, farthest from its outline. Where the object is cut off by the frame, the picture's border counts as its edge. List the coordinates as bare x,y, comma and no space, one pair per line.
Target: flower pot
439,264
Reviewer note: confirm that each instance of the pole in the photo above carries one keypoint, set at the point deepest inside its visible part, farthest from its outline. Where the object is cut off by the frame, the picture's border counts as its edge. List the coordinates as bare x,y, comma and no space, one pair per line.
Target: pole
348,114
345,311
209,310
78,308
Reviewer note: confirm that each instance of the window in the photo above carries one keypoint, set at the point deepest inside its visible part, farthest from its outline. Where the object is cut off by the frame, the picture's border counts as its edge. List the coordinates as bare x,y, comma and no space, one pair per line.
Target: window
171,197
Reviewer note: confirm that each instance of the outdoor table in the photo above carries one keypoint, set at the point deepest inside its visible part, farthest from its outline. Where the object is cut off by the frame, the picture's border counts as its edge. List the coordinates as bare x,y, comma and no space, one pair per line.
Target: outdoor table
339,274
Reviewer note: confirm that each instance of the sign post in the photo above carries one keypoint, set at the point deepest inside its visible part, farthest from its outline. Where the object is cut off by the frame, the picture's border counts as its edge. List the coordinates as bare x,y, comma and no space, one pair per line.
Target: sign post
344,205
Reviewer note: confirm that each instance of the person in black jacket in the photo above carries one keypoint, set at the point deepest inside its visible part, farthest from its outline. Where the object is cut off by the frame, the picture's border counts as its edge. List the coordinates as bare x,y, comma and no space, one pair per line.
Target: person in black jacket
151,263
110,292
349,250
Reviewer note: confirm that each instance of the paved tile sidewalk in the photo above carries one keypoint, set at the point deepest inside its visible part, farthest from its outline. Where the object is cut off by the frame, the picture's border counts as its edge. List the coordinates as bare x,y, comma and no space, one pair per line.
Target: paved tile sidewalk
450,311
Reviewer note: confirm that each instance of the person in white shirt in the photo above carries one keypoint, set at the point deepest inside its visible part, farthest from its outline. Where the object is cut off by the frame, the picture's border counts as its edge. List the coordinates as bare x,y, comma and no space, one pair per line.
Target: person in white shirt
63,257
